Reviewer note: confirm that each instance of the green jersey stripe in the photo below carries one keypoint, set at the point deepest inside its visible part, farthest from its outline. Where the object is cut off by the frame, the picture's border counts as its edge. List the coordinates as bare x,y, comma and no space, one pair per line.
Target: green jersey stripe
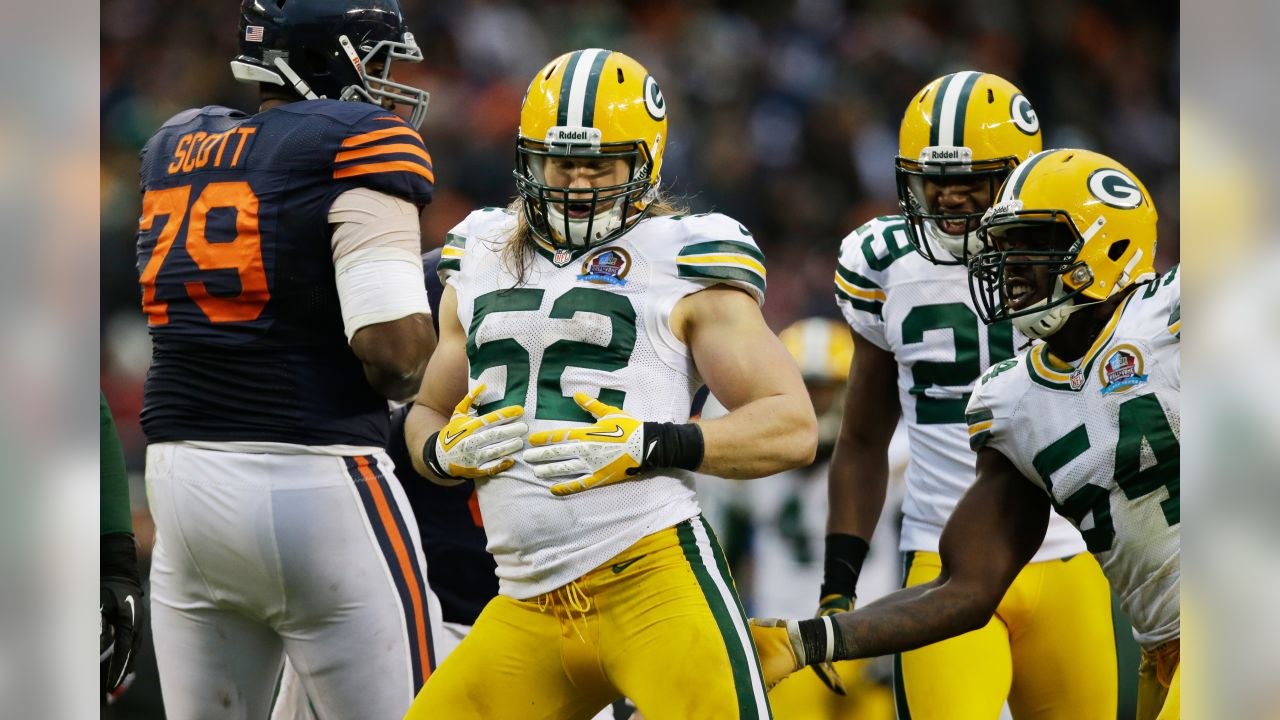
978,440
854,278
978,416
722,272
458,241
717,247
875,308
738,661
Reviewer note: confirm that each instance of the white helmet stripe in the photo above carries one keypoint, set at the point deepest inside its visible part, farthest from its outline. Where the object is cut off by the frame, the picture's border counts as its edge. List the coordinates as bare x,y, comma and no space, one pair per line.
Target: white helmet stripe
578,86
951,105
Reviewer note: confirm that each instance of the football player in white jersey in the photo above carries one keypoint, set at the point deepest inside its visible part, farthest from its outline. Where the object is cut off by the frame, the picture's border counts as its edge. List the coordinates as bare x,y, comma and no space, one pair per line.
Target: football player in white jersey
1087,422
920,349
575,328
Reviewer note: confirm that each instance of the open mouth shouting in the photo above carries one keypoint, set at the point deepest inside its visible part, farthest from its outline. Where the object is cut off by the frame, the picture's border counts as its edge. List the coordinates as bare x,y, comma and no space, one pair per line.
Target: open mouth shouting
579,210
1019,293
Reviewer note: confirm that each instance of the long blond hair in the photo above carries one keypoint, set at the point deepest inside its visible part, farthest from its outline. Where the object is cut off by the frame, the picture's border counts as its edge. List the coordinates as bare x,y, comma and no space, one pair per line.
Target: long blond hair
517,248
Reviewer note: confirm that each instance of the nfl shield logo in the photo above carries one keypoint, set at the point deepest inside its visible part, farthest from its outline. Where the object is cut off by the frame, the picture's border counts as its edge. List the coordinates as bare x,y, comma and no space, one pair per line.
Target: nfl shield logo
561,258
1077,380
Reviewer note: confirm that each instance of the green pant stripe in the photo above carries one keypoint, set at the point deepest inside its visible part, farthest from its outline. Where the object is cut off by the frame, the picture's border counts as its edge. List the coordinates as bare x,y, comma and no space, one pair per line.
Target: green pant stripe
742,660
899,683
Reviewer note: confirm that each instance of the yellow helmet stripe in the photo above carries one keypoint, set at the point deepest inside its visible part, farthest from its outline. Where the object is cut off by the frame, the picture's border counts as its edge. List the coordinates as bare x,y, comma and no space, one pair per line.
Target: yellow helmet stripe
578,88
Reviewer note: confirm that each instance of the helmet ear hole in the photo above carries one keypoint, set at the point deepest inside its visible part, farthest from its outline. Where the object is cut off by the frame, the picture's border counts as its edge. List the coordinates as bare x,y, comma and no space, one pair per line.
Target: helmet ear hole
621,79
991,96
1117,249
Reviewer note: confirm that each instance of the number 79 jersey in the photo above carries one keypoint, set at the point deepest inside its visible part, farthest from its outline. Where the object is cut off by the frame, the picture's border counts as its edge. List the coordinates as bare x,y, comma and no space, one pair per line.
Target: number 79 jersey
1102,438
923,314
595,322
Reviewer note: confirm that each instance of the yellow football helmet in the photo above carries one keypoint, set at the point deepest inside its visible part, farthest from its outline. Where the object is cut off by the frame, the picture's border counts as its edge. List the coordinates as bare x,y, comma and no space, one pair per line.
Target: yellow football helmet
822,348
590,103
1067,224
967,127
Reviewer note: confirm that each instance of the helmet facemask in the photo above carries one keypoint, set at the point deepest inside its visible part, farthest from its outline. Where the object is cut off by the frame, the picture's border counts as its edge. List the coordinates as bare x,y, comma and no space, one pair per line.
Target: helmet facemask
583,217
378,88
1029,272
926,230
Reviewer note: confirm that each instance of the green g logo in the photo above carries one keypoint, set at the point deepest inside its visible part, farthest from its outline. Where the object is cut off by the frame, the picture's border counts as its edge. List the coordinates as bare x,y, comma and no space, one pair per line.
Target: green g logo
1024,116
1115,189
653,100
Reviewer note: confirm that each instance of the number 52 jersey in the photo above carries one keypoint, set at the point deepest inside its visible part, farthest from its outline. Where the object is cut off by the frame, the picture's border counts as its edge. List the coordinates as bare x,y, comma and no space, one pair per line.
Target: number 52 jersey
1102,438
595,322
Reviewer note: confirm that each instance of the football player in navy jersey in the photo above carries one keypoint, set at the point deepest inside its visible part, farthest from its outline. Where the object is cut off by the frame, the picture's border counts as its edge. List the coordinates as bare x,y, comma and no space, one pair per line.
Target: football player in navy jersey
278,255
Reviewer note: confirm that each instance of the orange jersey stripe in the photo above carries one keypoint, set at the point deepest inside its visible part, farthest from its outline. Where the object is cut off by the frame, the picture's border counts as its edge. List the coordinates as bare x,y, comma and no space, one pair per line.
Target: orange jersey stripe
390,118
402,555
365,152
369,137
392,166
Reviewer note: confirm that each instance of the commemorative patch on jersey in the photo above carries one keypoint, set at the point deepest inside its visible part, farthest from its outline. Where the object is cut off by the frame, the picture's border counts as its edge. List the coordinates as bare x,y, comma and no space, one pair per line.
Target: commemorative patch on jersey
1121,370
606,267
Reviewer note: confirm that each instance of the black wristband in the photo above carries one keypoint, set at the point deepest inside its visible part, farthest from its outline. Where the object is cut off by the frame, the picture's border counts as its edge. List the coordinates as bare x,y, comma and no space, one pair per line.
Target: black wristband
119,556
429,457
672,445
843,564
813,634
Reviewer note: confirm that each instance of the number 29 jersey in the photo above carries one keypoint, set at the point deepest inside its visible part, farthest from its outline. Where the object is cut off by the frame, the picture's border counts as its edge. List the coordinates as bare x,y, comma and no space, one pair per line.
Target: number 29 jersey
237,274
923,314
595,322
1102,437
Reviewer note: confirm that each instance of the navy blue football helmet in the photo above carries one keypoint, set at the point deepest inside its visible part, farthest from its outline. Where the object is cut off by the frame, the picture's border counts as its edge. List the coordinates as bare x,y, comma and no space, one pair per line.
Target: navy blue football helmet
323,49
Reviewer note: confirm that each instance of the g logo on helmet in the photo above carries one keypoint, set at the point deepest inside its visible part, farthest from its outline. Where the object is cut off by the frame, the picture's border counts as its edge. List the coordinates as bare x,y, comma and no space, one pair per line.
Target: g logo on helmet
1115,189
1024,116
653,100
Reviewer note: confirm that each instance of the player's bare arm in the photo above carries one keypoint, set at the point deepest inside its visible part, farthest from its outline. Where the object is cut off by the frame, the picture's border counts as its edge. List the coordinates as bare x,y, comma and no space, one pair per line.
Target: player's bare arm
394,354
770,426
859,472
448,441
993,533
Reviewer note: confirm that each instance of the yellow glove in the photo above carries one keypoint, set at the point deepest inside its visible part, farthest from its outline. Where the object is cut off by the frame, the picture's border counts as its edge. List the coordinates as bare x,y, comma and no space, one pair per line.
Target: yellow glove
596,455
830,605
472,446
779,647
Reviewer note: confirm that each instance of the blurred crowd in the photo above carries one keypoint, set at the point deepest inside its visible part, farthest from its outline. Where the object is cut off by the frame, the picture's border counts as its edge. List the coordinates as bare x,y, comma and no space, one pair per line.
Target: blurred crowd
783,115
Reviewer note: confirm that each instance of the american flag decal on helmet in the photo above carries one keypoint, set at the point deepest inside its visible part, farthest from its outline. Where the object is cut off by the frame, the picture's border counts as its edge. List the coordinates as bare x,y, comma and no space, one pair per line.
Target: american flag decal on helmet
253,33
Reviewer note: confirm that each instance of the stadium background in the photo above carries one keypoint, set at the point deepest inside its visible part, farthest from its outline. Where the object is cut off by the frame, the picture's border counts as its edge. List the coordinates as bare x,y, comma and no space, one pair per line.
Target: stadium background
782,114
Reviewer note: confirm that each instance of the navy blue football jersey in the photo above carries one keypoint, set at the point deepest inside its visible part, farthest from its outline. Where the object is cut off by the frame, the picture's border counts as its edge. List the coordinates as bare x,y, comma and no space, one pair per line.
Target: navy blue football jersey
236,269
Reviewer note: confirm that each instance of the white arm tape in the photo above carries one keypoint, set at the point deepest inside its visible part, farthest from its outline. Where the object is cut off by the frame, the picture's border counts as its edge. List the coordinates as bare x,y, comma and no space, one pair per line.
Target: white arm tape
381,290
376,258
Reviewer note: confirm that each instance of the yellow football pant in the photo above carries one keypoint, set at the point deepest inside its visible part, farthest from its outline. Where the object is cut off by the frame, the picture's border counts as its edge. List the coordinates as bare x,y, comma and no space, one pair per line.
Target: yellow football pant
660,624
1049,650
803,696
1159,684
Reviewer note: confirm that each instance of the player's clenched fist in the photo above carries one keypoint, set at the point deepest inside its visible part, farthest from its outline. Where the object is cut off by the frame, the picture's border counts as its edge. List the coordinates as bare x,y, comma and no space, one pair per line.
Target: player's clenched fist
780,649
474,446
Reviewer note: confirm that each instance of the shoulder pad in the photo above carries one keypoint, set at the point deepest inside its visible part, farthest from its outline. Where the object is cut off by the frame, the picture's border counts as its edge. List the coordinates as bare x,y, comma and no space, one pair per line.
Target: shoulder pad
986,411
716,249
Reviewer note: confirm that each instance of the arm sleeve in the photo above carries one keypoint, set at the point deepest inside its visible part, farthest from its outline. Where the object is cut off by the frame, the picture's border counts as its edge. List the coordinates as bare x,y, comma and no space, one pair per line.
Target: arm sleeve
376,258
858,290
114,490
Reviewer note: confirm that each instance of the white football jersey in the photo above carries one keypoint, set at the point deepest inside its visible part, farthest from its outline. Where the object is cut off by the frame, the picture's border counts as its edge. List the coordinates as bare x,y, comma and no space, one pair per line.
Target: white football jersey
923,314
596,322
1102,437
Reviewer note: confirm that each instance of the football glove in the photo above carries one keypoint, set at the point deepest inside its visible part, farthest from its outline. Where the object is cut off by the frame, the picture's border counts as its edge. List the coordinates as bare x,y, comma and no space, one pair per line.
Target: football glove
617,447
780,649
830,605
470,446
120,610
